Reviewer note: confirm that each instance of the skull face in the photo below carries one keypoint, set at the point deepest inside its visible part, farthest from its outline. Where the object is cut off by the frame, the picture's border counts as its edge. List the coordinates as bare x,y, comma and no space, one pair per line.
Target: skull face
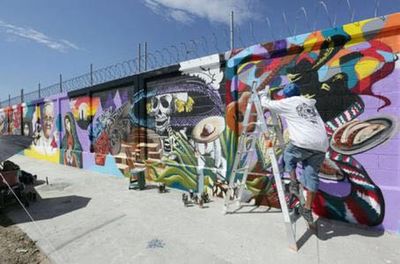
161,109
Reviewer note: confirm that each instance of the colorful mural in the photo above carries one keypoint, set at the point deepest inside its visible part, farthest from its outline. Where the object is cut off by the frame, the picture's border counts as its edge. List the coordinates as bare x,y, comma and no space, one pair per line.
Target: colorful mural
108,129
182,123
336,67
4,121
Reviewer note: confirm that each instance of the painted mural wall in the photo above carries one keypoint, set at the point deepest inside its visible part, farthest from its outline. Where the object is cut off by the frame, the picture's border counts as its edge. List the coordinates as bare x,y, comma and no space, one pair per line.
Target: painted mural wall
183,121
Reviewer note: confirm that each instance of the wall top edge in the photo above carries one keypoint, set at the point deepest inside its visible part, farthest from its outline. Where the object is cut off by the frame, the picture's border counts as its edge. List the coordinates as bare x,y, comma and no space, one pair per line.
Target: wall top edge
358,31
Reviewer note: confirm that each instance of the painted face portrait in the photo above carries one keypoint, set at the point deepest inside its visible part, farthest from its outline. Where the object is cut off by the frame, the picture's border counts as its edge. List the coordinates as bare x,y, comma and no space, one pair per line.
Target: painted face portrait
26,130
48,119
67,123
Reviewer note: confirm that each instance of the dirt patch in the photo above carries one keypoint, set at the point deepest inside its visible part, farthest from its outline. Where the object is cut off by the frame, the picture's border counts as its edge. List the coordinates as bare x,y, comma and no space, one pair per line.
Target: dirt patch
16,246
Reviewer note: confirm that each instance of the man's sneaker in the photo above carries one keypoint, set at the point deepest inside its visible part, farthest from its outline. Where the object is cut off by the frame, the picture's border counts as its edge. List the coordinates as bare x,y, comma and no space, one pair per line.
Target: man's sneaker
306,214
294,188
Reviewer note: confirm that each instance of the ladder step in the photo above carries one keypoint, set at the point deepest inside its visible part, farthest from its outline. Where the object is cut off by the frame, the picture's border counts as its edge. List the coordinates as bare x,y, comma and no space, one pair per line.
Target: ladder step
243,169
251,124
247,145
257,174
246,151
251,134
255,133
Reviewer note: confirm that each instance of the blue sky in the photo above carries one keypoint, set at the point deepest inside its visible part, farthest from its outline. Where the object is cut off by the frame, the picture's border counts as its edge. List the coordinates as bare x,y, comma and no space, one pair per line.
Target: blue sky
41,39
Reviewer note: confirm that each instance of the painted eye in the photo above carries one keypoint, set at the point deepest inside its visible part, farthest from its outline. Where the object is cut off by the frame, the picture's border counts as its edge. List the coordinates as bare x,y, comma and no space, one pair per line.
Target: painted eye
164,102
154,102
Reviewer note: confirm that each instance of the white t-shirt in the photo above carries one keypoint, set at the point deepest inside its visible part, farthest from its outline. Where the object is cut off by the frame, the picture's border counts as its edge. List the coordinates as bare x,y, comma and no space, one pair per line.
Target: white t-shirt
305,126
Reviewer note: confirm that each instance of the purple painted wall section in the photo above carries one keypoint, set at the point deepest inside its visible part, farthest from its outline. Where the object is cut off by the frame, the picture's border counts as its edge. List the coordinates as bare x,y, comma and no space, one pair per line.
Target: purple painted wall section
383,162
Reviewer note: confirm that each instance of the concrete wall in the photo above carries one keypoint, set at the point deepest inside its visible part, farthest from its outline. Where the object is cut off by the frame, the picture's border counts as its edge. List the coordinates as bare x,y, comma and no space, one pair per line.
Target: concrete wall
156,119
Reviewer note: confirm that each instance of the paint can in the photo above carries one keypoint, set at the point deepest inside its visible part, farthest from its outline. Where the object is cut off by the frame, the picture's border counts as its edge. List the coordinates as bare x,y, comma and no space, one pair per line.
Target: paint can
137,179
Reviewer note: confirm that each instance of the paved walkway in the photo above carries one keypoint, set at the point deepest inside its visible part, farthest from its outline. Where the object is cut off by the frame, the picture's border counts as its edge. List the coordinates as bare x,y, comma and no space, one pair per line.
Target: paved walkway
87,217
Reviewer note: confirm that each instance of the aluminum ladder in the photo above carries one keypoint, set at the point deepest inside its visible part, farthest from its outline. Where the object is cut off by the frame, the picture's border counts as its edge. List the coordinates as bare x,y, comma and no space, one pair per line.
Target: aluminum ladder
252,131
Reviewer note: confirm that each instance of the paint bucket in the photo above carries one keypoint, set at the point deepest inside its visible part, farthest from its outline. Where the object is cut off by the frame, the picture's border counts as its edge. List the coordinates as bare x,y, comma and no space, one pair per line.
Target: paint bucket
138,179
11,177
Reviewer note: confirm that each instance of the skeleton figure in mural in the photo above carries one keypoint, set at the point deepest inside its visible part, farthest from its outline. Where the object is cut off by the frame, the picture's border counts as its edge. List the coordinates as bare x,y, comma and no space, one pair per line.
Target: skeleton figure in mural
161,107
46,138
164,106
174,107
208,149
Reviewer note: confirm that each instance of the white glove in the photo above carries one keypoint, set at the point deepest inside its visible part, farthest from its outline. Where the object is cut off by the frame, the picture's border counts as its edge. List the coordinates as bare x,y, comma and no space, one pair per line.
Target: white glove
264,92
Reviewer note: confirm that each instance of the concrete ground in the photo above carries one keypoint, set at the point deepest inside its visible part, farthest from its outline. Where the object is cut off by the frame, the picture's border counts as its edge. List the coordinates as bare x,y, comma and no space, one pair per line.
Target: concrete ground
87,217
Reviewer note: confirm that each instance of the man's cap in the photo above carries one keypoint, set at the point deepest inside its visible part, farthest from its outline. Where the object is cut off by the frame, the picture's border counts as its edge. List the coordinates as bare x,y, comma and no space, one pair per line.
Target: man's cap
291,89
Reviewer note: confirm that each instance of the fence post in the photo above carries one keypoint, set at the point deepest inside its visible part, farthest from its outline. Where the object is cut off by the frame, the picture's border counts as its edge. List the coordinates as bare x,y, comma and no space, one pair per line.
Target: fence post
61,90
39,90
145,56
22,113
91,74
139,57
232,32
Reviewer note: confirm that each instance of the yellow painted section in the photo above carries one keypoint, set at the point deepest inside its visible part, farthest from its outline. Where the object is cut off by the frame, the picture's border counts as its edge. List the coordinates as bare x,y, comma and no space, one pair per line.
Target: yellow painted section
37,111
95,106
55,158
356,30
366,67
309,43
335,63
245,64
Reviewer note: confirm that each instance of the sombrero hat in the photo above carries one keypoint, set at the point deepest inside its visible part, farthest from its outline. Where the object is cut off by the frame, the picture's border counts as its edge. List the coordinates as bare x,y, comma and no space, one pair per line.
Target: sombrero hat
208,129
202,94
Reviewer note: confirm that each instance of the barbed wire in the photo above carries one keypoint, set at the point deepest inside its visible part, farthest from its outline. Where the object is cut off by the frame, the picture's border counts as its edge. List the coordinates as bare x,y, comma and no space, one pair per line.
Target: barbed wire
31,96
15,100
203,45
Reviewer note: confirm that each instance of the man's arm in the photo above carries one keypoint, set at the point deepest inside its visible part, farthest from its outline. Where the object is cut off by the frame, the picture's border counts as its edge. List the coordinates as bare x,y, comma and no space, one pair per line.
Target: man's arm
278,106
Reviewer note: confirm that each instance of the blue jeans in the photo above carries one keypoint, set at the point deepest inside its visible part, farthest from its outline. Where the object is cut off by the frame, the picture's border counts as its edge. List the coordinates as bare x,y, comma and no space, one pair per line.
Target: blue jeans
311,160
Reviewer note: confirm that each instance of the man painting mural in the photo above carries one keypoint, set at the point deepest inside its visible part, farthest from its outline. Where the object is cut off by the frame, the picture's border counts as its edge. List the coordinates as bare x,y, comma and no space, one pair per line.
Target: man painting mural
308,141
46,143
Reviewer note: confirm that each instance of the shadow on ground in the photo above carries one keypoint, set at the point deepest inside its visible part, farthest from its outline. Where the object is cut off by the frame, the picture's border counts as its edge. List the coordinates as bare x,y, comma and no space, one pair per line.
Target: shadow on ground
46,208
327,229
